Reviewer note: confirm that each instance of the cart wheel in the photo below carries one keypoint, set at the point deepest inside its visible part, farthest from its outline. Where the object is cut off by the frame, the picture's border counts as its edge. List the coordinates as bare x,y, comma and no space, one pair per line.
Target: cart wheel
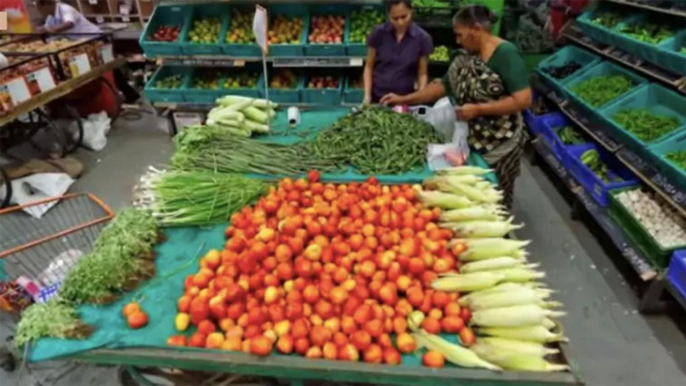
58,143
7,360
5,180
73,144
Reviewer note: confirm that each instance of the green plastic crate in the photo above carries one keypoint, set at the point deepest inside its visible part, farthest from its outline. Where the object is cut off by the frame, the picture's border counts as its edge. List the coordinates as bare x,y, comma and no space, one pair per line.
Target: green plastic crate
256,92
637,48
154,94
566,54
202,11
671,55
657,154
653,97
241,50
360,49
199,95
176,15
326,96
314,49
352,95
601,69
596,31
290,10
637,233
288,96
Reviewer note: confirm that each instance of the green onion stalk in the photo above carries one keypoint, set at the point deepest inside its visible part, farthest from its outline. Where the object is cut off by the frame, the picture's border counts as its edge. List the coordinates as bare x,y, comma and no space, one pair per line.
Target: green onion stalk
197,198
209,148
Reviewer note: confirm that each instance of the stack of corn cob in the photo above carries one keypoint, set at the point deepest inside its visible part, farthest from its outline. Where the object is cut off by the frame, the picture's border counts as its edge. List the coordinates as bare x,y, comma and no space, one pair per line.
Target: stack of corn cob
511,312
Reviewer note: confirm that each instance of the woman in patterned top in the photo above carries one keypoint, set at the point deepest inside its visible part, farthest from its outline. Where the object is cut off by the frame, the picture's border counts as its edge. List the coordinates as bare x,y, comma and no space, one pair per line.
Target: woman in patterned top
489,84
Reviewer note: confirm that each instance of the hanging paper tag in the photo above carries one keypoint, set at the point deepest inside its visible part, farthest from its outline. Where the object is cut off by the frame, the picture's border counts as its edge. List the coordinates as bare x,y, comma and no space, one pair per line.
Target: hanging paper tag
106,53
79,64
99,19
92,1
42,77
125,19
17,89
259,28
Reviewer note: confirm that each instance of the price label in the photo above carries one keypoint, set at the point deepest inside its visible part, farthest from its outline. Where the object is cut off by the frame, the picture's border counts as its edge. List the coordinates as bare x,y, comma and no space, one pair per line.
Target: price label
106,53
124,9
17,89
79,64
125,19
99,19
356,62
93,2
43,78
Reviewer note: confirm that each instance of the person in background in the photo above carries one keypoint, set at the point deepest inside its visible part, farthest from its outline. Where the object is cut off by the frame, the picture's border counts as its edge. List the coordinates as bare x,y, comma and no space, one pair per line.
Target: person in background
489,83
561,11
63,18
397,55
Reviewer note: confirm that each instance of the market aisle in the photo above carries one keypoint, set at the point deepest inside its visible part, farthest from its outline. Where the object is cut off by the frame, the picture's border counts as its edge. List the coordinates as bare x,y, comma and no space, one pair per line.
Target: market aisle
612,343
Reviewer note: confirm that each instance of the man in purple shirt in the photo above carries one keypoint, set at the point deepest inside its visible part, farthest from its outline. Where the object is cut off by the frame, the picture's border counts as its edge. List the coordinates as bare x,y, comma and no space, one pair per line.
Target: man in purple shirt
397,55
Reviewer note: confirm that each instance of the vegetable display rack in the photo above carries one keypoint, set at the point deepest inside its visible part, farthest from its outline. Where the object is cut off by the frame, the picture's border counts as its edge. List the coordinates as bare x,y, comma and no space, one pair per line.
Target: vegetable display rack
40,242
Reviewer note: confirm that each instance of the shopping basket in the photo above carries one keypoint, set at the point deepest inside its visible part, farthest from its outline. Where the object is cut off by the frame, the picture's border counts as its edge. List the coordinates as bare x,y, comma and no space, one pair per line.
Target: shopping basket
38,248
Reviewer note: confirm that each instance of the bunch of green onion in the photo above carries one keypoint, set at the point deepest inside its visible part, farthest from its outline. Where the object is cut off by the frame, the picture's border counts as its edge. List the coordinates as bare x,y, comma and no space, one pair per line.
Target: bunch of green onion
196,198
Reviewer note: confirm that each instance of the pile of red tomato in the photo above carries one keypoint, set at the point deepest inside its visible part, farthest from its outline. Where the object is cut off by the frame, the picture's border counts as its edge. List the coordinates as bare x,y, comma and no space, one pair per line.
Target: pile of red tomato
326,271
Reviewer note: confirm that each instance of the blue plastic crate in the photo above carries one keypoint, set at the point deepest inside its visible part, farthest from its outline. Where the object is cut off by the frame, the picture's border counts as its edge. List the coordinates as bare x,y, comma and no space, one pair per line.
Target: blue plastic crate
241,50
300,11
155,94
561,57
637,48
289,95
601,69
598,189
326,96
671,56
199,95
164,15
360,49
220,11
315,49
550,126
676,273
352,95
653,97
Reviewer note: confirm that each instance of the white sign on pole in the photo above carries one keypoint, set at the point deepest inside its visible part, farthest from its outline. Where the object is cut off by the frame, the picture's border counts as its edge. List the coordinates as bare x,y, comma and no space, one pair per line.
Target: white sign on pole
260,25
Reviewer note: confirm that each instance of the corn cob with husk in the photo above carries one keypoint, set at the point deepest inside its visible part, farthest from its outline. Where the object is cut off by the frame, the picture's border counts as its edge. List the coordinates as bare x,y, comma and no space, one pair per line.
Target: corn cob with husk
454,353
513,360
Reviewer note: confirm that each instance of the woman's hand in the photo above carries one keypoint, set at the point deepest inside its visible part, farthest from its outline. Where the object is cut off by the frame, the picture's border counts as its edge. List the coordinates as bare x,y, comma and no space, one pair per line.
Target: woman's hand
392,99
467,111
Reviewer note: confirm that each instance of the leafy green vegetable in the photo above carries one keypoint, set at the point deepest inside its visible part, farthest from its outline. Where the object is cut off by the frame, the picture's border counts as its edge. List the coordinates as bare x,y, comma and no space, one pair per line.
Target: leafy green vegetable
599,90
607,19
644,124
647,32
55,319
678,158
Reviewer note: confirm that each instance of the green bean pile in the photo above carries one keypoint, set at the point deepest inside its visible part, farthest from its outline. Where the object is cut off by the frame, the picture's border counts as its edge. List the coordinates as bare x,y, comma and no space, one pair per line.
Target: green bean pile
377,140
212,148
607,19
644,124
678,158
599,90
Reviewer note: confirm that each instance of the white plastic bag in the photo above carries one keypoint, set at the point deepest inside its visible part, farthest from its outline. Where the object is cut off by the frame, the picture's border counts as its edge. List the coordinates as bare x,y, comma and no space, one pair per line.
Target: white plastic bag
455,149
38,187
95,129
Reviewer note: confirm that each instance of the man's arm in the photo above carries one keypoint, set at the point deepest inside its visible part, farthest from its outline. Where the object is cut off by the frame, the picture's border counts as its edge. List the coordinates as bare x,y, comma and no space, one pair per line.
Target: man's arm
518,101
67,25
423,72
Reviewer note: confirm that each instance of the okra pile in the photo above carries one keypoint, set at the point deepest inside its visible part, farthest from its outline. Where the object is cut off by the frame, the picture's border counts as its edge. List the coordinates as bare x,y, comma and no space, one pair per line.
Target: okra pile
599,90
644,124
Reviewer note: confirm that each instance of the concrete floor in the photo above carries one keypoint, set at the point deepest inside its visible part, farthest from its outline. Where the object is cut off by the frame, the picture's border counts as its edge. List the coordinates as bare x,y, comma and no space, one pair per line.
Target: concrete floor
611,343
